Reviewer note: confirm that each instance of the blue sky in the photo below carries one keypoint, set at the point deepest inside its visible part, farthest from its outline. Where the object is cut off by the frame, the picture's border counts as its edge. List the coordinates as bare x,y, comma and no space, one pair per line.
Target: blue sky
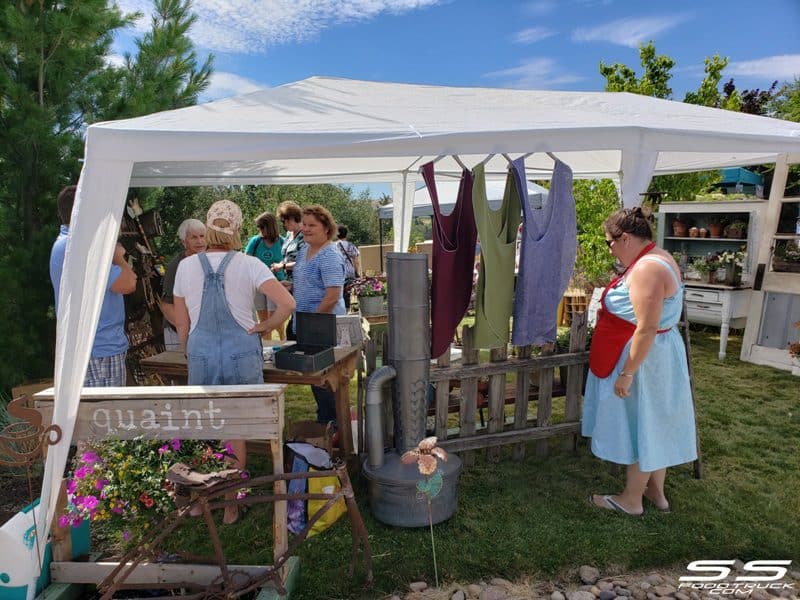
535,44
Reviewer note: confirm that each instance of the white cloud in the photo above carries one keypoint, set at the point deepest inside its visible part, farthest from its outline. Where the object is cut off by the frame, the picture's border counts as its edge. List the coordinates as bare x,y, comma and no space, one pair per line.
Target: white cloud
630,31
251,26
540,7
115,60
532,35
225,85
145,7
535,73
785,66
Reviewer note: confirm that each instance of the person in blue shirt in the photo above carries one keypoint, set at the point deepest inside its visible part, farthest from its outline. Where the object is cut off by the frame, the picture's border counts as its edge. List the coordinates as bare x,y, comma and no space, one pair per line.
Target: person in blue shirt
267,246
107,363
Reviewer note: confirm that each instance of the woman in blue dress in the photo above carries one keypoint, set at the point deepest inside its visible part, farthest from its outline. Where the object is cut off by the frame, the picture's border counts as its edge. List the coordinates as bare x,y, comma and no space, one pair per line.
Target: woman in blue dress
638,405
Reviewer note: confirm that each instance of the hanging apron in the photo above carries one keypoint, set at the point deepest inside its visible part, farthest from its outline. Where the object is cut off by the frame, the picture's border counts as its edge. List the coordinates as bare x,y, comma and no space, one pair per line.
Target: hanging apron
611,333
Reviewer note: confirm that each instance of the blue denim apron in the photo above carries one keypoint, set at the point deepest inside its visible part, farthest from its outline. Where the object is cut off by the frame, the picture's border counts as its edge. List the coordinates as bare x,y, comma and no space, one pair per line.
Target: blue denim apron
219,350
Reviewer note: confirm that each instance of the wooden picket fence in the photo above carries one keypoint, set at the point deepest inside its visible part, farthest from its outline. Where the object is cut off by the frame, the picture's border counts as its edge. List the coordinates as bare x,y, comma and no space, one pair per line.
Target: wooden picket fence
471,387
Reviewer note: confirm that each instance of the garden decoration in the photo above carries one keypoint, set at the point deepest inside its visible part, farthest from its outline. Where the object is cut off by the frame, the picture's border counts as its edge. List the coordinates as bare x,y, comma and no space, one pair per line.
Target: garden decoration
427,456
794,347
786,258
736,230
22,441
124,482
371,293
733,261
716,226
707,267
205,493
679,228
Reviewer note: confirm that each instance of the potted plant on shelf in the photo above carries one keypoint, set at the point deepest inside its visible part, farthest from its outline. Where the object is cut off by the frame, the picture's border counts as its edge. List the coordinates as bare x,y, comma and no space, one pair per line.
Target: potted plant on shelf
786,257
736,230
716,225
680,227
371,293
707,267
733,261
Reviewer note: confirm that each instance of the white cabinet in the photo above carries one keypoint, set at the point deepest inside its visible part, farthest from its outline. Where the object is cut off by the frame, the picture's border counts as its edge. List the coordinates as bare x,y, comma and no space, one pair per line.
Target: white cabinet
720,305
710,303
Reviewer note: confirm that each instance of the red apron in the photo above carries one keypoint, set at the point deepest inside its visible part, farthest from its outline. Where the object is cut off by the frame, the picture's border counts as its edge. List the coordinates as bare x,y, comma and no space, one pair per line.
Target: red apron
611,333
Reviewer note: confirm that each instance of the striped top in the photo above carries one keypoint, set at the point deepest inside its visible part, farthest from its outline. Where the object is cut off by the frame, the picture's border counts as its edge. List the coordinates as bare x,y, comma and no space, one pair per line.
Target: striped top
311,278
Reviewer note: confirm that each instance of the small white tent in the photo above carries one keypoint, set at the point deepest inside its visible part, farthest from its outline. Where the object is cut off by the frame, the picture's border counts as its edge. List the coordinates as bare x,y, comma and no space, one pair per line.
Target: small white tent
447,192
338,130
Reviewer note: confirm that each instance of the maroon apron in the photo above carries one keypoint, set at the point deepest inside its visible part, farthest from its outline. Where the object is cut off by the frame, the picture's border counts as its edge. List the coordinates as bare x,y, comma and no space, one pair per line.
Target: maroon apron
611,333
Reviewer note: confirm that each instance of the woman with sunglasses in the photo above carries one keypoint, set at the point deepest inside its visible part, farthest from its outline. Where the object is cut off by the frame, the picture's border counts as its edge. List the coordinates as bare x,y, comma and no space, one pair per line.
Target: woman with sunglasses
291,216
638,403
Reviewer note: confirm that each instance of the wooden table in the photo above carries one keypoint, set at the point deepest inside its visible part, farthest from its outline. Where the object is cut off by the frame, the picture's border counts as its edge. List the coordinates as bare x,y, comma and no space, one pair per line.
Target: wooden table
172,364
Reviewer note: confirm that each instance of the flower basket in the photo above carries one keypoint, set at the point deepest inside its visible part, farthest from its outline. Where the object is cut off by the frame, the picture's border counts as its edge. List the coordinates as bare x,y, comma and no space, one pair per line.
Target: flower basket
785,266
371,306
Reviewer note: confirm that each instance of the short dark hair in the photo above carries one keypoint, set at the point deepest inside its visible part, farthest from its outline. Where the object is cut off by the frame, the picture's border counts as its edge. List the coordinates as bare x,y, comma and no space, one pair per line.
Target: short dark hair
64,203
633,221
342,231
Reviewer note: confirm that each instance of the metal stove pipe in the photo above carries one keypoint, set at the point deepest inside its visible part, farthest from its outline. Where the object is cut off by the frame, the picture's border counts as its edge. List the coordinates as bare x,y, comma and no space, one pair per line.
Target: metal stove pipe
409,344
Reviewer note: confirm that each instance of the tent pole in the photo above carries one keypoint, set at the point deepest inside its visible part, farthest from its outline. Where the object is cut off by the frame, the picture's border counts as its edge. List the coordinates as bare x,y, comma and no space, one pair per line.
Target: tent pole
380,241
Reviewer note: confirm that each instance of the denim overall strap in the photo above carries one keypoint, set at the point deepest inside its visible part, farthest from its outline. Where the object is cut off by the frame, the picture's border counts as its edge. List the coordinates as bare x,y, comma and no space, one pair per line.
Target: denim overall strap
220,351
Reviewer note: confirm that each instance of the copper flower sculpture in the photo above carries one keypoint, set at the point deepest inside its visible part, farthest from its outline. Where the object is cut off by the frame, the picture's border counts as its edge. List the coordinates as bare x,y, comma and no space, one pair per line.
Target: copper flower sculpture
425,455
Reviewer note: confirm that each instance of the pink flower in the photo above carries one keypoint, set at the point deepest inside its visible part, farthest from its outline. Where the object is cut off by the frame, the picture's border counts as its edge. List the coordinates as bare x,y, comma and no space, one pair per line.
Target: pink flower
241,494
100,484
126,535
228,448
90,458
82,472
88,502
218,456
63,520
245,475
72,486
76,521
163,450
176,444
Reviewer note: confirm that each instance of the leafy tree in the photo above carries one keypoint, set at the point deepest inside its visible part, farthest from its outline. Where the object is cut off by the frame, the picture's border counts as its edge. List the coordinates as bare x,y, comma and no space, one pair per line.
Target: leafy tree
594,201
708,93
654,81
786,102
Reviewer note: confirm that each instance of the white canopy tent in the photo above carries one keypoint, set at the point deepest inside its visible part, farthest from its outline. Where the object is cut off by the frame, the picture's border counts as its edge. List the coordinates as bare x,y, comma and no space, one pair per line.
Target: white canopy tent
338,130
447,192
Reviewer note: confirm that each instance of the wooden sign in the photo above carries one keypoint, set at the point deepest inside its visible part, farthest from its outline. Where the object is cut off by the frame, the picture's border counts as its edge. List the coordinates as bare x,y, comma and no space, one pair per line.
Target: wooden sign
243,412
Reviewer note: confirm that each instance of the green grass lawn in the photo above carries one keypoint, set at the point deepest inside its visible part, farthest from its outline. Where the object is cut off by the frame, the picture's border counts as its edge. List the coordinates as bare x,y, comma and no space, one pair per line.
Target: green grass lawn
531,518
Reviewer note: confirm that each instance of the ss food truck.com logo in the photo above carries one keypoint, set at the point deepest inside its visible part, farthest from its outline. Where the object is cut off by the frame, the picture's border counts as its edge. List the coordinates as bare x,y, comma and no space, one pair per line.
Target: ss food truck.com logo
756,575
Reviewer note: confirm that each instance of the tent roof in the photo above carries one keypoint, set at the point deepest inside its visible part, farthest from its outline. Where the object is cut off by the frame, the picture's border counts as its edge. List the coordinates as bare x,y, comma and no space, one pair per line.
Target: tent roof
338,130
448,191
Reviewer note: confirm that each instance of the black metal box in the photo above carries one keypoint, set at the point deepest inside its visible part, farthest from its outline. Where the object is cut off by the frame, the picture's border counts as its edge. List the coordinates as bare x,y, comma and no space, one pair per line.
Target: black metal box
316,337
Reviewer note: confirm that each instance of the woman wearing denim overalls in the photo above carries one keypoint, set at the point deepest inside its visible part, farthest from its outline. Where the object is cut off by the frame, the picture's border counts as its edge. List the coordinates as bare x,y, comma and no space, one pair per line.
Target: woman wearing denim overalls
214,311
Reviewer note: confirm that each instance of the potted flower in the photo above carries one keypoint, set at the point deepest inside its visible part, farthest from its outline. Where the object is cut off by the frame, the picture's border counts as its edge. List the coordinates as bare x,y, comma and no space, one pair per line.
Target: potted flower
786,257
733,261
371,293
123,483
736,230
707,267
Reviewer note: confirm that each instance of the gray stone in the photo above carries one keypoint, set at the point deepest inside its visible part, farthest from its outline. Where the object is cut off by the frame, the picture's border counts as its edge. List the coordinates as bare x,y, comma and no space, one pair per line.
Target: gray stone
557,596
645,585
473,590
652,596
694,595
588,574
605,586
458,595
681,596
607,595
580,595
595,590
664,590
620,583
493,592
795,575
417,586
638,593
587,588
774,592
654,579
395,597
739,566
500,582
621,591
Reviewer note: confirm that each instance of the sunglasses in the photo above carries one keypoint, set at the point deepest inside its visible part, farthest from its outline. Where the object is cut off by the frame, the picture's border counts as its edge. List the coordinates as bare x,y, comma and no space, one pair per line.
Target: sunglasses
611,241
